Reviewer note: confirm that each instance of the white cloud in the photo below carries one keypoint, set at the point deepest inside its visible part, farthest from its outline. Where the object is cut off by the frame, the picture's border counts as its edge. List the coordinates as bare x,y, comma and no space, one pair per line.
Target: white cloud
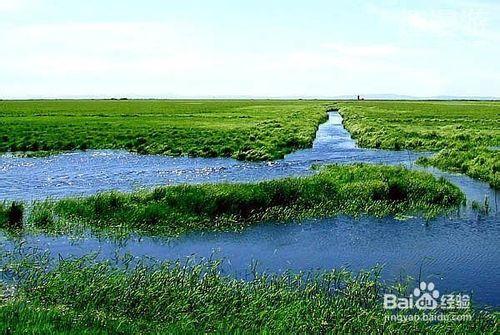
473,20
448,22
160,49
178,59
99,37
66,49
8,6
369,50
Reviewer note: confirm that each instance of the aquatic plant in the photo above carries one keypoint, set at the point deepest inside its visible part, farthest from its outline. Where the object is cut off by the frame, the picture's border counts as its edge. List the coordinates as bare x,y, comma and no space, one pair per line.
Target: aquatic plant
483,207
464,134
41,216
83,295
337,189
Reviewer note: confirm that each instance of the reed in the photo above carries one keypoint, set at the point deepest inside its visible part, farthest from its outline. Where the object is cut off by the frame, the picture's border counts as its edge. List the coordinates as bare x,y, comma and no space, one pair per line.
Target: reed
337,189
85,296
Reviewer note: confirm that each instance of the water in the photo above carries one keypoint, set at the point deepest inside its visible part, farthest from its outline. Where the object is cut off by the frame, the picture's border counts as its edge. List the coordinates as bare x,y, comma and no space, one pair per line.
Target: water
458,252
84,173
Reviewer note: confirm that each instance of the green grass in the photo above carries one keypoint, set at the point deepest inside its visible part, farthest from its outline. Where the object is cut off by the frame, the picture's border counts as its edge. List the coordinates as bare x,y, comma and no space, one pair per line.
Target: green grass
243,129
336,189
464,134
87,297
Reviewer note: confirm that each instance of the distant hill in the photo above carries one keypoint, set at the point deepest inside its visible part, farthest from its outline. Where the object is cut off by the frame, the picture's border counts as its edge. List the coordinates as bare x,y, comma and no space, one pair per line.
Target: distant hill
409,97
293,97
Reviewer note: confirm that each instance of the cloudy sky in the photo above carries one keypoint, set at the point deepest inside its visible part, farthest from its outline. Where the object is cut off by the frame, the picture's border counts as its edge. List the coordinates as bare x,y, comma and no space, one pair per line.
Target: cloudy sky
268,48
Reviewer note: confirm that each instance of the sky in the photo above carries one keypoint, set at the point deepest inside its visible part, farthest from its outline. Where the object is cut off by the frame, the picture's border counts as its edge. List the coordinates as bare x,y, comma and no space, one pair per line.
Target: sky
258,48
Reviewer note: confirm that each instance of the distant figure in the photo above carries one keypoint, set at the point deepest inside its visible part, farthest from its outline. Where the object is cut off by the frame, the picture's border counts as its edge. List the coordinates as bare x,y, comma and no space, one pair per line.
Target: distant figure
358,97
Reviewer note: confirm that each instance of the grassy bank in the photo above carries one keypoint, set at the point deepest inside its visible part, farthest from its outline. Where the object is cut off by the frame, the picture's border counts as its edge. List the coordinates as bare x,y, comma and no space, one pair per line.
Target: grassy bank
352,190
243,129
465,134
82,296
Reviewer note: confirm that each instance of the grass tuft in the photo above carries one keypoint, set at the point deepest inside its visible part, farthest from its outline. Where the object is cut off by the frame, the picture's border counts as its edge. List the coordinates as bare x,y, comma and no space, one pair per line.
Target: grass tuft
85,296
337,189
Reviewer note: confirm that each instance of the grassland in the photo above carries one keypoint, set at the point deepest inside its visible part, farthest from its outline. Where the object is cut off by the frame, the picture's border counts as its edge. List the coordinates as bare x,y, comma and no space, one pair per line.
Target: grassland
464,134
337,189
87,297
243,129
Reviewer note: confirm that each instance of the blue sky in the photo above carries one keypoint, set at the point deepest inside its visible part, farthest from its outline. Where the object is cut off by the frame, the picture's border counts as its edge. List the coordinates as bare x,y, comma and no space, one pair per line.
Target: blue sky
217,48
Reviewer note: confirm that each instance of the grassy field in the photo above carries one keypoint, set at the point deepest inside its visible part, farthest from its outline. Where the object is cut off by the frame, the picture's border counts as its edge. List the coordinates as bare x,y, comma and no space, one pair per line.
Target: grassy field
87,297
243,129
337,189
465,134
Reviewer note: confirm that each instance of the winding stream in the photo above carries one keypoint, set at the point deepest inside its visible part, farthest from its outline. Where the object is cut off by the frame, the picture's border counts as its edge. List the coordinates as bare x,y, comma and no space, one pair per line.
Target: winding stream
458,252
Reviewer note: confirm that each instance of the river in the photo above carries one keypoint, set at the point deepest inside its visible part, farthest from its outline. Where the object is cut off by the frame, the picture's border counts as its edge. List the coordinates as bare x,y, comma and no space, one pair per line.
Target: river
458,252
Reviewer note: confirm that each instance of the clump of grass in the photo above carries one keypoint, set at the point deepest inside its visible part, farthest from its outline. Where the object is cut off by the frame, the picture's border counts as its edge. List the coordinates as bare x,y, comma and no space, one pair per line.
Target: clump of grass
464,134
175,297
352,190
11,216
483,208
41,215
478,163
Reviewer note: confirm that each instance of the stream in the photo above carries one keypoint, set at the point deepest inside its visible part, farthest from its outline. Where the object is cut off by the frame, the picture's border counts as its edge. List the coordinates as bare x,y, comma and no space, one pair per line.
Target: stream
459,252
